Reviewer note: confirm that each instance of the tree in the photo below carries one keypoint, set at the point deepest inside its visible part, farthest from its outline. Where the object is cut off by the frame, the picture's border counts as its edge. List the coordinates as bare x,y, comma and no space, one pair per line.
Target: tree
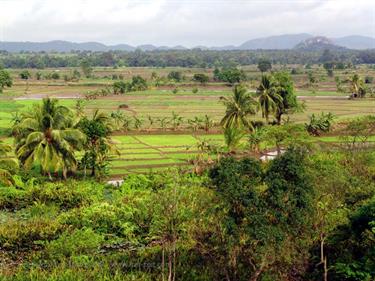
25,75
231,75
264,65
5,80
357,86
285,88
46,137
329,66
201,78
286,135
86,68
269,98
290,208
175,76
353,245
99,145
239,107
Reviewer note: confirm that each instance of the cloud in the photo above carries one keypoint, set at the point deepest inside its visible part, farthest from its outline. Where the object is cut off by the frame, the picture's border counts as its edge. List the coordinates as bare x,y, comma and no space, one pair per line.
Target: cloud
172,22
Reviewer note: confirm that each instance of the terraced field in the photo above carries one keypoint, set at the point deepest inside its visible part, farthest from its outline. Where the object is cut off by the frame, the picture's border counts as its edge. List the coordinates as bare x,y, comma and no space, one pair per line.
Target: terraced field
155,148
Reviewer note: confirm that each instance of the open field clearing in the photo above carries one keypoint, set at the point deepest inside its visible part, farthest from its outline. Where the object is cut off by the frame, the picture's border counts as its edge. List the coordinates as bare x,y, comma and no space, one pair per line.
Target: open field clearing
188,105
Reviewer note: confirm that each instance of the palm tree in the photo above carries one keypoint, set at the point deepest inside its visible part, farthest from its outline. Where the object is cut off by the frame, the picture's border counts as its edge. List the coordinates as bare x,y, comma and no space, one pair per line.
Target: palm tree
46,136
8,164
269,99
233,137
239,107
99,146
357,86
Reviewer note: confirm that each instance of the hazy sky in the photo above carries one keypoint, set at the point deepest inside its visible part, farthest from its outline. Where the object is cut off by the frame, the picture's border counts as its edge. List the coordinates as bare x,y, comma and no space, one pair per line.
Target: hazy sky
180,22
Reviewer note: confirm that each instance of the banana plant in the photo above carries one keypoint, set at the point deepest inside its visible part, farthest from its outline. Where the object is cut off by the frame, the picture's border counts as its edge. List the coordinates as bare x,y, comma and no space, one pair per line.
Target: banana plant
176,120
163,121
208,123
138,122
195,123
151,122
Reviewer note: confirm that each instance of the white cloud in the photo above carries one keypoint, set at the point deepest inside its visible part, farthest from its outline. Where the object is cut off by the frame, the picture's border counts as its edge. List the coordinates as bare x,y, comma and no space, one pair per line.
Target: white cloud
172,22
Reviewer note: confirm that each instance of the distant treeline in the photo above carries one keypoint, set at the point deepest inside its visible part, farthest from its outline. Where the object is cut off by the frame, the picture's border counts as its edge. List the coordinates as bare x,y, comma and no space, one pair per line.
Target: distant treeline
181,58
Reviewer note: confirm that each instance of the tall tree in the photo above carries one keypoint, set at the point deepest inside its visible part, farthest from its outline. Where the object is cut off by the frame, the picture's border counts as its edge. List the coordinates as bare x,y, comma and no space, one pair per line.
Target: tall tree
285,88
99,145
269,98
239,107
264,65
357,86
46,136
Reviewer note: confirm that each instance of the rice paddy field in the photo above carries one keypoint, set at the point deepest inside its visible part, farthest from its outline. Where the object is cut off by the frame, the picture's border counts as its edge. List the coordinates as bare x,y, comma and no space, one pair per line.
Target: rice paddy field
158,149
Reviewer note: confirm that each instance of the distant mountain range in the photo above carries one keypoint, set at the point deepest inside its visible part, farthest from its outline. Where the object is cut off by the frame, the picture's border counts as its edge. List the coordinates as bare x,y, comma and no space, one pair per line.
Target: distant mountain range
280,42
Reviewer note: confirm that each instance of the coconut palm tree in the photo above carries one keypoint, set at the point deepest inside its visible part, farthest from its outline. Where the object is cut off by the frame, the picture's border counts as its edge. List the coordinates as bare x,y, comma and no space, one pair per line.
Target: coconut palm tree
8,164
357,86
46,136
239,107
98,146
269,99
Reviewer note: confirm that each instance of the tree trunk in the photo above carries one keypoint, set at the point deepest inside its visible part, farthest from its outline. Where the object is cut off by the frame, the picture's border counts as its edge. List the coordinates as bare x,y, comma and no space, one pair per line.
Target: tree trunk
64,172
169,266
162,262
323,258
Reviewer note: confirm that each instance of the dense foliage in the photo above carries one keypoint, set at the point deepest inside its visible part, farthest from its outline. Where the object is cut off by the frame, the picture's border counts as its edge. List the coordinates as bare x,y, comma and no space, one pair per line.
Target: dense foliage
245,220
183,58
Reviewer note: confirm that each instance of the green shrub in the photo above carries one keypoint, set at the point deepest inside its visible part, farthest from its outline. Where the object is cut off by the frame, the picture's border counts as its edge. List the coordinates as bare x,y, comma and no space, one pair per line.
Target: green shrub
78,242
66,195
18,235
103,218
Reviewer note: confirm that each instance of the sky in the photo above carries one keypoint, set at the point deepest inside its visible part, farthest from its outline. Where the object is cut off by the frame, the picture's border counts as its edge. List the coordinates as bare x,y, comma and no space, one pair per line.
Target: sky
181,22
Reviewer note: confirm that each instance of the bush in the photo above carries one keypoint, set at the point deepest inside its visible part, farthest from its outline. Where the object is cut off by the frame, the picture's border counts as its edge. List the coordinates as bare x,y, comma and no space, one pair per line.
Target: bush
19,235
66,195
201,78
55,76
175,76
120,87
78,242
319,124
103,218
195,90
